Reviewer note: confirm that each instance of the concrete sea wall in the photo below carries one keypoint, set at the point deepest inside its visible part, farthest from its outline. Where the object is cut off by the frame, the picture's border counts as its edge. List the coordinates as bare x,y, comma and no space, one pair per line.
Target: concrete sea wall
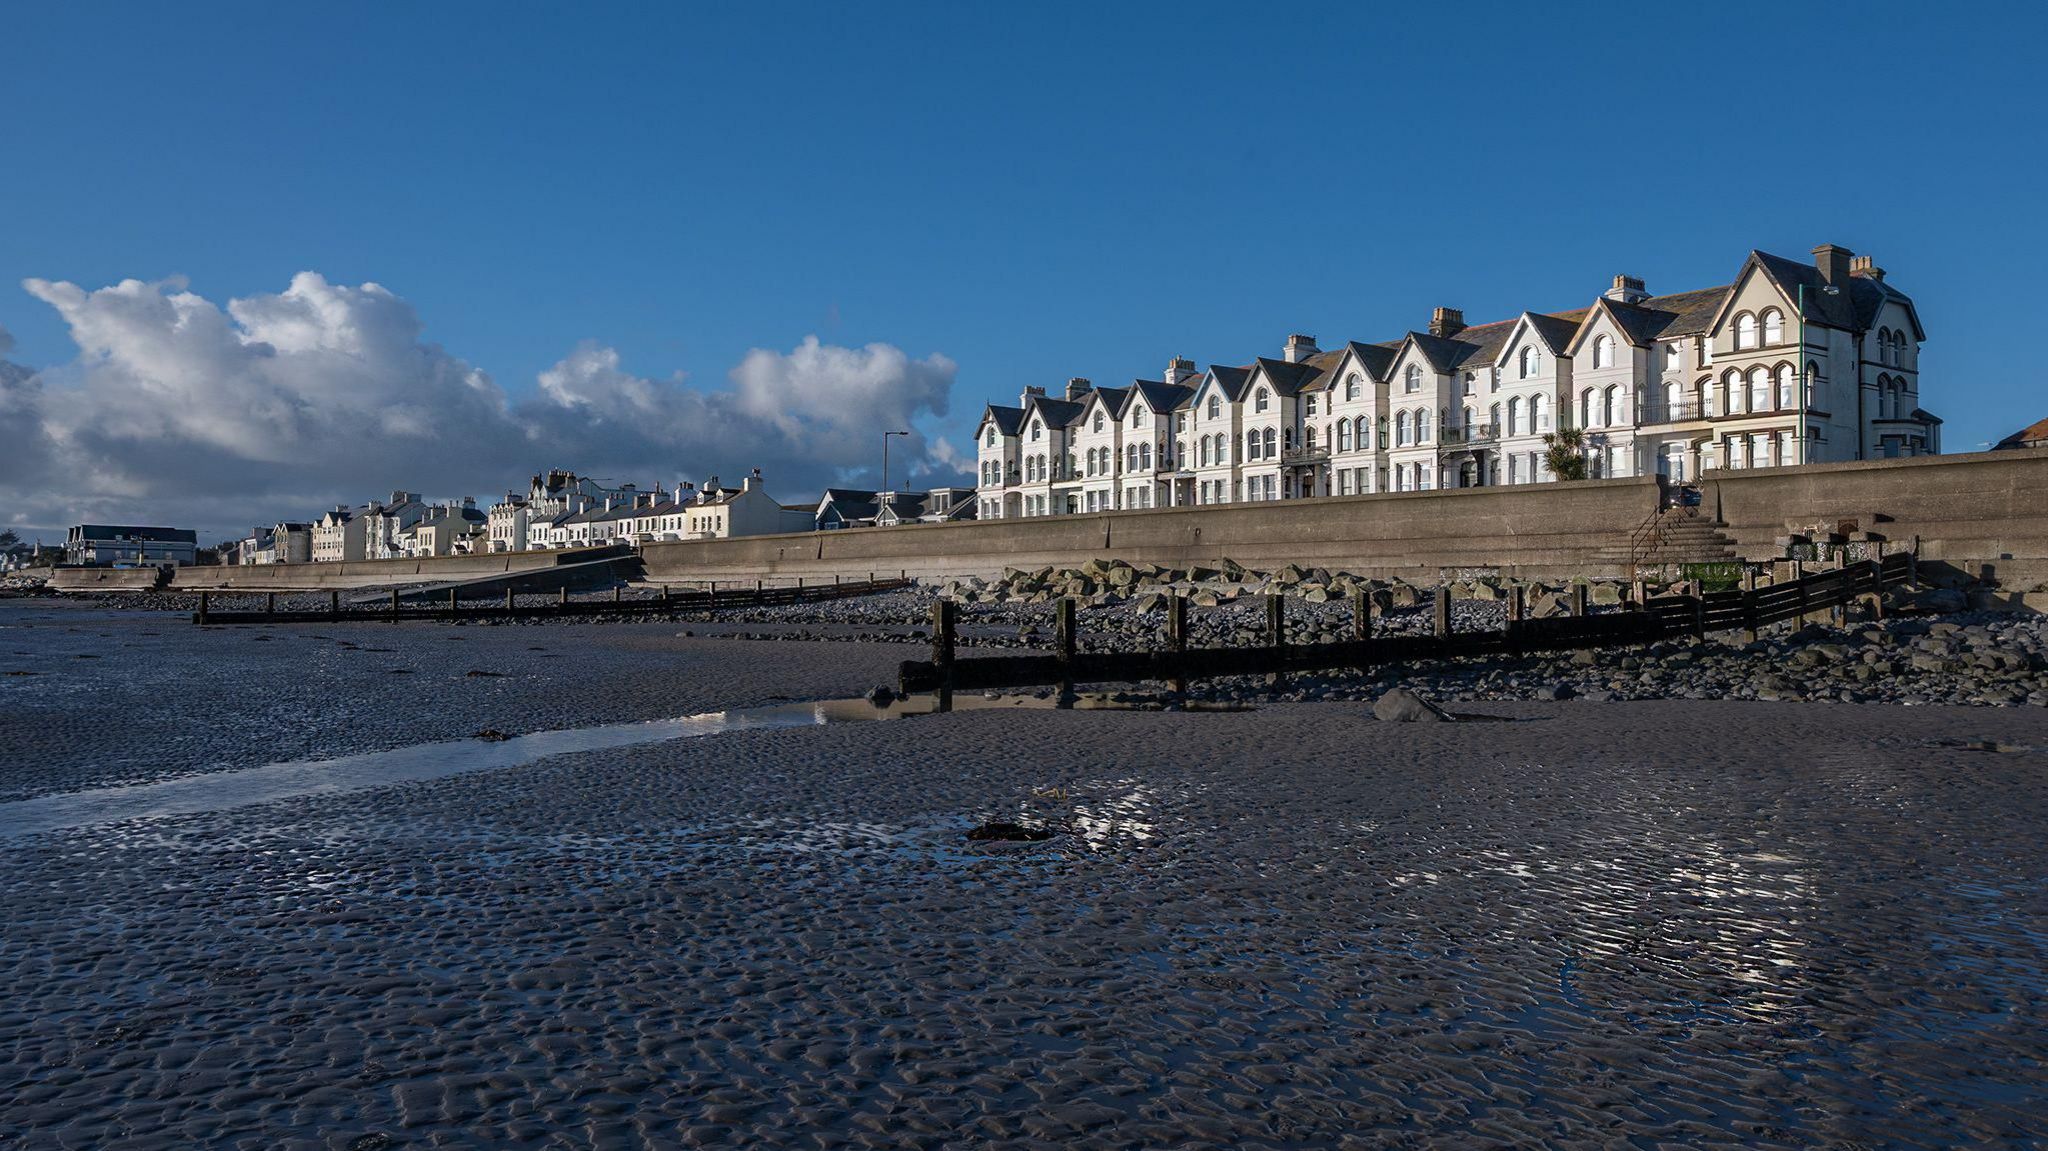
371,573
1985,513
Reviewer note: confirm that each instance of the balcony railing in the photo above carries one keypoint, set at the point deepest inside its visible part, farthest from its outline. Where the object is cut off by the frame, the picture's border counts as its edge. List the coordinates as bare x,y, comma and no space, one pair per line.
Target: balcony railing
1470,434
1304,455
1678,413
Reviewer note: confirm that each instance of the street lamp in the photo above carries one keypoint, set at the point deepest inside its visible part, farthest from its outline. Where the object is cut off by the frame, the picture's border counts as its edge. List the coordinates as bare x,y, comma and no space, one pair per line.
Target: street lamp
885,457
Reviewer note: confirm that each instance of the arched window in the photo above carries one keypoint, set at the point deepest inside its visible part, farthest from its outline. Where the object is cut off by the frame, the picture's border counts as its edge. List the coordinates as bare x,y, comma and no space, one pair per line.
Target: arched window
1539,415
1674,400
1774,327
1412,380
1745,332
1269,443
1098,419
1514,415
1361,435
1262,400
1144,457
1466,421
1310,441
1884,345
1586,408
1037,430
1759,390
1785,382
1202,451
1493,417
1130,457
1610,406
1422,426
1526,364
1401,428
1343,435
1137,417
1603,352
1351,386
991,435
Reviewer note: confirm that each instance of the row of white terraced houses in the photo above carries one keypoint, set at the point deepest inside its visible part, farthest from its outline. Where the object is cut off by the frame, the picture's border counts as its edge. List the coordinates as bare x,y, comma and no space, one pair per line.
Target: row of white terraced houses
1790,363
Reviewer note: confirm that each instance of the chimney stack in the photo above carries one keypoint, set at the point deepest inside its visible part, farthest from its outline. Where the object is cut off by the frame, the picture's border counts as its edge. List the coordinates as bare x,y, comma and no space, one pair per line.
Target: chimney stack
1446,322
1180,368
1626,290
1833,263
1865,267
1077,387
1299,348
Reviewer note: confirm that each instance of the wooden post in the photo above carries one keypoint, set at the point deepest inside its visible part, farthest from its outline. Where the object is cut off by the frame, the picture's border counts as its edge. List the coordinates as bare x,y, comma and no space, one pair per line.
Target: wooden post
664,595
1799,581
201,618
270,605
451,601
394,603
799,587
1699,617
1276,635
1441,623
942,651
564,599
1518,607
1639,594
1177,638
1063,646
618,593
1579,608
510,603
333,604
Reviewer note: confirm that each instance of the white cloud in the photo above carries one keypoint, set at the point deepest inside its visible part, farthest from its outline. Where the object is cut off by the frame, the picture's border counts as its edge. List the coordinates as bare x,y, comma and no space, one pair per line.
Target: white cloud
179,410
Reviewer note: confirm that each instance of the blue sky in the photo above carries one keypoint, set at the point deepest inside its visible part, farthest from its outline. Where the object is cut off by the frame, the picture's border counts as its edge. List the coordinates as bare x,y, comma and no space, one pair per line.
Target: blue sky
1028,192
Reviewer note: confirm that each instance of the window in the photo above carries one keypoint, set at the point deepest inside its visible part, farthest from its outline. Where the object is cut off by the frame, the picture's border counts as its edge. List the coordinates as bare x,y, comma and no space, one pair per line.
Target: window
1586,408
1466,422
1097,425
991,435
1351,386
1610,406
1269,443
1493,417
1215,407
1412,381
1262,401
1251,445
1203,452
1603,352
1144,457
1401,429
1137,417
1526,363
1759,390
1514,415
1745,332
1308,405
1037,429
1422,426
1471,383
1343,435
1131,457
1774,327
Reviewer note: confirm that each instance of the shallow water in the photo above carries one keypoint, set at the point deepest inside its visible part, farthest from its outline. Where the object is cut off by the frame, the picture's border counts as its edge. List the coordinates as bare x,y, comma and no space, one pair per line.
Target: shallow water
222,790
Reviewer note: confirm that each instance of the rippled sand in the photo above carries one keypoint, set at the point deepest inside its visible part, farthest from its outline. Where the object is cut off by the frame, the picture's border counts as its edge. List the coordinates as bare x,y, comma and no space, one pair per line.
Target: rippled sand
1661,924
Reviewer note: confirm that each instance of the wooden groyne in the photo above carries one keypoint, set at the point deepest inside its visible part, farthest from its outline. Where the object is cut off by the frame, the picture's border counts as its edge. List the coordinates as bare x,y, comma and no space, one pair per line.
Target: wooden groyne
1642,621
670,600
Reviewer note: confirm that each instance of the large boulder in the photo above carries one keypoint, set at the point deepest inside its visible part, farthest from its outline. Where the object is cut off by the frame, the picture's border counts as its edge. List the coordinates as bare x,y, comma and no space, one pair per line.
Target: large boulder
1400,705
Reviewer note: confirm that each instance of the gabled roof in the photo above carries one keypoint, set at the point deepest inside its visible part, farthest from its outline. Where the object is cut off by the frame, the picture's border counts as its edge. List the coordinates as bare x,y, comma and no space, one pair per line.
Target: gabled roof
1057,413
2031,434
1557,330
1113,401
1009,421
1230,381
1287,379
1161,396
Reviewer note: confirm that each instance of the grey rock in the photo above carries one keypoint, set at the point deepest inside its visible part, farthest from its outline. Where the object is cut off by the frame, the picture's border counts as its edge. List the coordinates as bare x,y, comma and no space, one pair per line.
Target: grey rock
1403,706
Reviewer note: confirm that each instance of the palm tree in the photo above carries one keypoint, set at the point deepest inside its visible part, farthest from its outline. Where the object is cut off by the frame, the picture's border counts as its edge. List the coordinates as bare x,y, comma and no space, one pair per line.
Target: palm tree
1564,453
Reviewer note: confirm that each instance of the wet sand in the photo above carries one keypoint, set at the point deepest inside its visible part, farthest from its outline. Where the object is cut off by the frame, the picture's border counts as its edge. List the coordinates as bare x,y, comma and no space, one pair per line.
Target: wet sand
1682,924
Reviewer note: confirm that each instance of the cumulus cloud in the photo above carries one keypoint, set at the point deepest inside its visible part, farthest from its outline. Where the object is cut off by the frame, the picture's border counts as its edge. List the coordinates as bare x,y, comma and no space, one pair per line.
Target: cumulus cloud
278,406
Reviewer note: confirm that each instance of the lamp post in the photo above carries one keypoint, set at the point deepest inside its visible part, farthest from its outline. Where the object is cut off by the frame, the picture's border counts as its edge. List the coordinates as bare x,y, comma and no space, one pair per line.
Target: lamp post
885,457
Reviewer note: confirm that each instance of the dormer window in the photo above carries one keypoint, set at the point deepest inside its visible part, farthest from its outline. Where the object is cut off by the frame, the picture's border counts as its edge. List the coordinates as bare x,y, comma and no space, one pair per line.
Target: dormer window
1745,332
1411,381
1262,401
1603,352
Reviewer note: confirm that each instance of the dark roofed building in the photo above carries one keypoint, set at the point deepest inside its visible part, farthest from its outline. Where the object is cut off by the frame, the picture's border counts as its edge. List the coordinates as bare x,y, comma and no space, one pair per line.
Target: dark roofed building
107,545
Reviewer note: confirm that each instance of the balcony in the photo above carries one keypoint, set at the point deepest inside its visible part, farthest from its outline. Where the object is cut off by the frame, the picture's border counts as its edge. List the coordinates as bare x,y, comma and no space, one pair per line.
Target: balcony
1457,435
1678,413
1293,456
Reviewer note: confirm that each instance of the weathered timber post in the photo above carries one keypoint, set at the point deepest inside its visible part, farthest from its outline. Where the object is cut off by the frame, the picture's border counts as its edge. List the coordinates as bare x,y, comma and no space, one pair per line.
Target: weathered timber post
664,595
451,601
565,595
1639,594
1877,588
1361,627
1441,621
1699,617
1579,609
799,587
270,605
835,579
757,591
942,651
394,603
1799,583
509,601
201,617
1177,638
1518,607
333,604
1913,562
1063,647
1276,635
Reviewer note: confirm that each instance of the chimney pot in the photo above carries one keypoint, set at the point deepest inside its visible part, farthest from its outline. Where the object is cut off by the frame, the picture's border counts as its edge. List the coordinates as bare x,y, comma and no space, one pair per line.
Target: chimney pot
1446,322
1179,368
1299,347
1077,387
1865,267
1627,290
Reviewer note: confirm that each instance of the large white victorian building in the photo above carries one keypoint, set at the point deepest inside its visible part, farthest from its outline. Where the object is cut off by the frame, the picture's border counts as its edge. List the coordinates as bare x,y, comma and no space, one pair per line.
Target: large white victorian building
1790,363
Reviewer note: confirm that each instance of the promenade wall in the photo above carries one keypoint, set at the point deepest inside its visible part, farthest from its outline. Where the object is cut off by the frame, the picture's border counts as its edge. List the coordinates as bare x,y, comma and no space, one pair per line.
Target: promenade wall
372,573
1983,513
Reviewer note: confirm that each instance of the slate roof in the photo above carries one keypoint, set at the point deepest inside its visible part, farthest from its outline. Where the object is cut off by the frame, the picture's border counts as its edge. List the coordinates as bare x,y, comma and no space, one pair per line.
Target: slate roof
1288,379
1162,396
2025,437
1009,421
1114,401
1057,413
1231,380
1557,330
